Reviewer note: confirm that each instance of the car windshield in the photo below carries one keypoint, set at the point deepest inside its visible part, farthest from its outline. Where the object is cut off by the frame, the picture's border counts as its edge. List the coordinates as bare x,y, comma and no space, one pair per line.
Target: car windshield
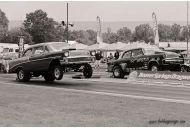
152,50
59,46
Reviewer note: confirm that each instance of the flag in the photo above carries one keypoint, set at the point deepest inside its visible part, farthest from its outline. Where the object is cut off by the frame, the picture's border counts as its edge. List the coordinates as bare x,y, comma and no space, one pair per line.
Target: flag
155,29
99,33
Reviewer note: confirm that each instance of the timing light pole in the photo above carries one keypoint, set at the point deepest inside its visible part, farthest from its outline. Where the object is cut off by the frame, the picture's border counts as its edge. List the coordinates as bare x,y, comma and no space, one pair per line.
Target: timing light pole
67,24
187,32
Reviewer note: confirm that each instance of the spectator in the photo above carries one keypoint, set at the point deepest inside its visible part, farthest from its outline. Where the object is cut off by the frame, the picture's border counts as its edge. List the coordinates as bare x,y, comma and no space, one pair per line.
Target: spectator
110,56
98,58
116,55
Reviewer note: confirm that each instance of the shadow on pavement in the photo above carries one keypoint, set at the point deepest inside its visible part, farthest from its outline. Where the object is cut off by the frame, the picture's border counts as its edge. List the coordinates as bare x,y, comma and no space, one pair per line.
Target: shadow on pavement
57,84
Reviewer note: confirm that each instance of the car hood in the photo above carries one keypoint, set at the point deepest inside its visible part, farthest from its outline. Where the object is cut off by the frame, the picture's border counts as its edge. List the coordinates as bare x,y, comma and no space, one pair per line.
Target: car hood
79,53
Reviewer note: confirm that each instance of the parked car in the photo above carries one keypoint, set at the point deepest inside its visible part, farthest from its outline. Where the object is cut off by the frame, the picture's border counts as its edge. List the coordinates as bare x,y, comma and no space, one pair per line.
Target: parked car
50,60
9,53
152,59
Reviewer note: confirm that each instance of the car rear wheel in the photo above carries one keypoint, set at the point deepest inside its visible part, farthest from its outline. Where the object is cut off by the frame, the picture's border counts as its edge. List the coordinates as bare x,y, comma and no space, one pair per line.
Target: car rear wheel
23,76
49,78
88,71
118,72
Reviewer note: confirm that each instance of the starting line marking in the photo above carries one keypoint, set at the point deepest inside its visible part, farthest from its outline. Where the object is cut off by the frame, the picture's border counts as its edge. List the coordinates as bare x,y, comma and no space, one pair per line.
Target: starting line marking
110,94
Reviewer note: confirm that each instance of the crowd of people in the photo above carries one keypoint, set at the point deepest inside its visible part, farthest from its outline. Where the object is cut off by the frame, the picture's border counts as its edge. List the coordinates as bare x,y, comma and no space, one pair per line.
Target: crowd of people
99,57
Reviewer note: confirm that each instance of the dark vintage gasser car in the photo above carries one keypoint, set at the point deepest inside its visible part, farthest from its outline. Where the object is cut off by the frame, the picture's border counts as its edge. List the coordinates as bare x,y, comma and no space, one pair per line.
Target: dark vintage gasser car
152,59
50,60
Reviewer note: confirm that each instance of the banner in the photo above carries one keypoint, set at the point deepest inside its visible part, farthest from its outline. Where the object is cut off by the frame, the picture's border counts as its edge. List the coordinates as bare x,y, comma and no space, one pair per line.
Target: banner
155,29
99,33
163,77
21,46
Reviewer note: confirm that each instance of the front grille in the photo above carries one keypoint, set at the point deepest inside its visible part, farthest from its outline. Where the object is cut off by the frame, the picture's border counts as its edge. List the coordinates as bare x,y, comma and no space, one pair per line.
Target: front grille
79,59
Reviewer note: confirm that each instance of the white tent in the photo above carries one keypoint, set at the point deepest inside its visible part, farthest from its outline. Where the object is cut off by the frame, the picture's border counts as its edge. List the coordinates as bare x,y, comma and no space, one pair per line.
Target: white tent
98,46
113,47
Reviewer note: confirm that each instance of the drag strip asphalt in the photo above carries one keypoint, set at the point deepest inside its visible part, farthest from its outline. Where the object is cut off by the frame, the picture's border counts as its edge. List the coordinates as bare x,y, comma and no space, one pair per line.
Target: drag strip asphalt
138,91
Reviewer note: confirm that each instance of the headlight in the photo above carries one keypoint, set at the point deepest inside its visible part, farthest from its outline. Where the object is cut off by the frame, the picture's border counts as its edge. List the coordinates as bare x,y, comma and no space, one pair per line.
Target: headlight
66,54
164,55
187,61
93,53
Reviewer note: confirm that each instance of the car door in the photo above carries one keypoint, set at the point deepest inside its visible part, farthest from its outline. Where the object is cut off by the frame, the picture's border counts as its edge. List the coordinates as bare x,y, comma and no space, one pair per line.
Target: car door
126,60
25,59
37,58
137,58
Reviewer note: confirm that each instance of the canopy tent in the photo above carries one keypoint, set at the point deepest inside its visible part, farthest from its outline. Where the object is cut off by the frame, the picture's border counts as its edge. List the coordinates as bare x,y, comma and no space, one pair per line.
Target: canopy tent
185,52
78,46
97,46
137,45
115,46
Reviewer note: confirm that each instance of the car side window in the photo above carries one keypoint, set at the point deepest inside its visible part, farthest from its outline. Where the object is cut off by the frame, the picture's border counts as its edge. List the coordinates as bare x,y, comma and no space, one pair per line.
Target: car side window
127,54
46,49
137,53
38,50
28,53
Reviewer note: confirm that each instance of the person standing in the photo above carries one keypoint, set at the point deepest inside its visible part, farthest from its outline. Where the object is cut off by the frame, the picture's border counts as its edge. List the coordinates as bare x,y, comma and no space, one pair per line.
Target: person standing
116,55
98,58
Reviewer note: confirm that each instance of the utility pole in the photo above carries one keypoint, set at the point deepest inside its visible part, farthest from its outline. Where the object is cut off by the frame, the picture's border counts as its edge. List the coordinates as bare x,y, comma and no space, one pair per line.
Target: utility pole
67,24
187,32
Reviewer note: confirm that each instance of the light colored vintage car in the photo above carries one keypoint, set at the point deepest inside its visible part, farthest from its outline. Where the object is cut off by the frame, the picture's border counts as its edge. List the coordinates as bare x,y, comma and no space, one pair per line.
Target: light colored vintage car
50,60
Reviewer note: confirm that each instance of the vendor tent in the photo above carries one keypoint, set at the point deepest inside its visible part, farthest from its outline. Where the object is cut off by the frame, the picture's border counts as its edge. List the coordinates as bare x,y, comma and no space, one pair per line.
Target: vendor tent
115,46
137,45
98,46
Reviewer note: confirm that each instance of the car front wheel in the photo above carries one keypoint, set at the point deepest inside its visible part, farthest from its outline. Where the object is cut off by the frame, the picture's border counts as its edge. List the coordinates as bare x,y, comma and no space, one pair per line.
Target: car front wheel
23,76
88,71
57,72
154,67
118,72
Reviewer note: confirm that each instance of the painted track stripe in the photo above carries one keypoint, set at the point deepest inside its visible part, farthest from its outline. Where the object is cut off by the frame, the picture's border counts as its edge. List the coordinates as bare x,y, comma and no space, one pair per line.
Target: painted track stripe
110,94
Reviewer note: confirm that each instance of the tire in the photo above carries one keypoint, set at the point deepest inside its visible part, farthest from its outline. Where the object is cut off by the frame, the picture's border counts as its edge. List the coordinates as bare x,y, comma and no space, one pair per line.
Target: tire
88,71
49,78
118,72
154,67
57,72
23,76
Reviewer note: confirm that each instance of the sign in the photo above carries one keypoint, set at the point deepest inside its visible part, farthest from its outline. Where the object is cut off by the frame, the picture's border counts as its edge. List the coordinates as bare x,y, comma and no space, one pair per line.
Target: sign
163,77
21,46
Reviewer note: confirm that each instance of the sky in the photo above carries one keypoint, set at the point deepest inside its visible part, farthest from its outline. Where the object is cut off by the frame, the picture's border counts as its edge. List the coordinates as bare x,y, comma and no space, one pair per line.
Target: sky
107,11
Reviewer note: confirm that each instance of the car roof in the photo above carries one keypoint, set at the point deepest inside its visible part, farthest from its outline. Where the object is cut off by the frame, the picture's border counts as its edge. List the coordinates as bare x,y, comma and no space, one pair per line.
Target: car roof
43,44
138,48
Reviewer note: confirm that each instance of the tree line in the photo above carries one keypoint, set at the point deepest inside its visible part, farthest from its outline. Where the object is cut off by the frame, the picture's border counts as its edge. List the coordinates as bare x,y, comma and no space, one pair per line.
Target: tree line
39,28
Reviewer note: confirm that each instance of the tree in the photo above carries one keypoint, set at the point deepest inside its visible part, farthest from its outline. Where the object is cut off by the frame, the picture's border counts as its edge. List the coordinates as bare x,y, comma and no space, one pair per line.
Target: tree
4,23
124,34
110,38
183,35
175,32
41,27
13,35
164,32
143,32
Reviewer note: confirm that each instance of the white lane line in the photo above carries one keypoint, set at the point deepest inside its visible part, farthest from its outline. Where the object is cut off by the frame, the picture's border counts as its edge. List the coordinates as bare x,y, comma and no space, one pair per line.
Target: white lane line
118,82
108,94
